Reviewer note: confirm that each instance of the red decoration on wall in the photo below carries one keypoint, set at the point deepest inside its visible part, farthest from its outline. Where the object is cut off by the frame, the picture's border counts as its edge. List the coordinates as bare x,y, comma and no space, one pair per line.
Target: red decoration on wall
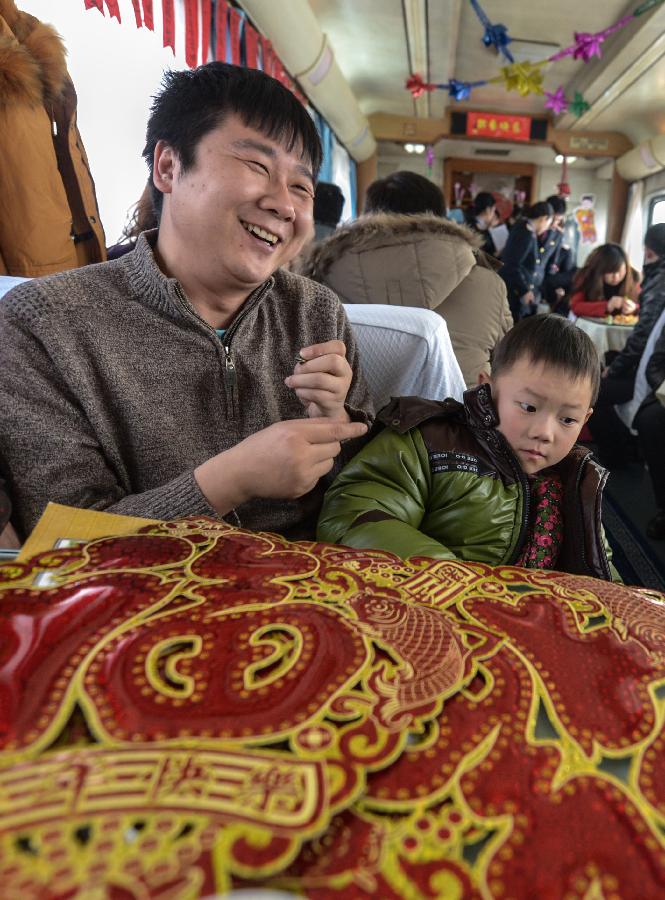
137,13
221,29
192,32
206,20
168,24
235,24
251,47
148,17
267,56
507,128
114,9
95,4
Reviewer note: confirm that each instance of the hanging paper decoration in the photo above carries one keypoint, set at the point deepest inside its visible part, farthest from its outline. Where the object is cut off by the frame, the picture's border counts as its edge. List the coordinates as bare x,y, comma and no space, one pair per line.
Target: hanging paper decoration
267,56
114,9
168,24
206,23
137,13
525,78
430,158
563,186
235,26
645,7
579,105
495,35
95,4
148,18
457,90
557,101
221,29
251,47
418,87
461,90
192,32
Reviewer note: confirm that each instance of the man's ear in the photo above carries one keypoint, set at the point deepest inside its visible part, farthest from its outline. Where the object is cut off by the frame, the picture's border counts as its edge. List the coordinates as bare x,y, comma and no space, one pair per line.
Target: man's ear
164,166
484,378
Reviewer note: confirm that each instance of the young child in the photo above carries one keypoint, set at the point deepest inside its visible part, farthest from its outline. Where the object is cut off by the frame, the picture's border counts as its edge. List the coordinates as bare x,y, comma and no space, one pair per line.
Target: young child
497,479
605,285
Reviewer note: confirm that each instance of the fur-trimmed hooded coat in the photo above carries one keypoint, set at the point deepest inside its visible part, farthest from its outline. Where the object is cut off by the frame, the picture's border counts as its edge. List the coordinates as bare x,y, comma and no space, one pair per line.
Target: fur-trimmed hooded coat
423,261
49,219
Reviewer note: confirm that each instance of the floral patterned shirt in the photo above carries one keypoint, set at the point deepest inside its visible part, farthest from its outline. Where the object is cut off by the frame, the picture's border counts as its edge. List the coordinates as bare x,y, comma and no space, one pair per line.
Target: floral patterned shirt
545,534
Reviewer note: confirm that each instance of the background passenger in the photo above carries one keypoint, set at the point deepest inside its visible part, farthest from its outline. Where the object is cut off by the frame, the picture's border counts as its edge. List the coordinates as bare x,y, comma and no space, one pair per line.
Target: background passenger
615,444
328,206
481,216
403,252
524,262
605,284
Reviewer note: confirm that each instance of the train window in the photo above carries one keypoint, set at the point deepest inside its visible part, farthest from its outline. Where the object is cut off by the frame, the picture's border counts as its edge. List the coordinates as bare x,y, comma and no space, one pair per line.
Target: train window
657,210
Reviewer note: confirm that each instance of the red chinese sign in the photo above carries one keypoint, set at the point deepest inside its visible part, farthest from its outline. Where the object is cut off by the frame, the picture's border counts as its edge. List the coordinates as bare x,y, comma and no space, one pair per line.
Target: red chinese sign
493,125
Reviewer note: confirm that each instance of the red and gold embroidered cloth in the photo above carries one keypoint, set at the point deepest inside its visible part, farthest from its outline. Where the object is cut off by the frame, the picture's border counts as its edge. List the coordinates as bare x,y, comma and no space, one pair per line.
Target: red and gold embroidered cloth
194,707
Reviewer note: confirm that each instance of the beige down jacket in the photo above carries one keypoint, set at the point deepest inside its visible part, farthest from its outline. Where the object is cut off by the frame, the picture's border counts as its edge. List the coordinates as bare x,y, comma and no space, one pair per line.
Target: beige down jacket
421,261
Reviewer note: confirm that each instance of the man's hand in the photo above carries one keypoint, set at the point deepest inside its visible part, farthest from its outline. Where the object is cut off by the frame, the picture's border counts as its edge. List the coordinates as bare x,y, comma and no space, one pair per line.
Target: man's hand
559,293
529,297
323,380
282,462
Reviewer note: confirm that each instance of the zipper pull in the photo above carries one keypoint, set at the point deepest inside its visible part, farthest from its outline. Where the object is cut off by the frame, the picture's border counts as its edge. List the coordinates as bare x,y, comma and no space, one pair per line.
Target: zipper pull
229,366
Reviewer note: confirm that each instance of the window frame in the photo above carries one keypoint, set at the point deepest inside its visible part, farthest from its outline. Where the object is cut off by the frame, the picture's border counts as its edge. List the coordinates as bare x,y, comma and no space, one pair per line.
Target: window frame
653,201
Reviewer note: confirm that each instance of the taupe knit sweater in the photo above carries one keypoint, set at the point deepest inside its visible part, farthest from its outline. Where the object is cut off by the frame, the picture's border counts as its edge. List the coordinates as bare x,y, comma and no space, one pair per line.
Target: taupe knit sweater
113,390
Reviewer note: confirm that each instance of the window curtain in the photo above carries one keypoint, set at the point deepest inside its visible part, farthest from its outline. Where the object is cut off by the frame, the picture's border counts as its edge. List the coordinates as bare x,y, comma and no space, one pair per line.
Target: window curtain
632,235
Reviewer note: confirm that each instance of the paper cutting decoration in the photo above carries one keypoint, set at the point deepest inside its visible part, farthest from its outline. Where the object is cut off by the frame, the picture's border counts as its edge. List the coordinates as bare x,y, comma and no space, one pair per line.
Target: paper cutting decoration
194,707
585,217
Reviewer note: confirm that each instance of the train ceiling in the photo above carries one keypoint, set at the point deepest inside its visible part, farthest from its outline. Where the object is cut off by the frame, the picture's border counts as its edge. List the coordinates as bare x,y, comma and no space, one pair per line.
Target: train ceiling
379,44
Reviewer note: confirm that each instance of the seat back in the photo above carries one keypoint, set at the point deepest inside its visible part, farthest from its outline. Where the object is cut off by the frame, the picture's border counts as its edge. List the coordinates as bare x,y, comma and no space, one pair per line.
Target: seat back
405,352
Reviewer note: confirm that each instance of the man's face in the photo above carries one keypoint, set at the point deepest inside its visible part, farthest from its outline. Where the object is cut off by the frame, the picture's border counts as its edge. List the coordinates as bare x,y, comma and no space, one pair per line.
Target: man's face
243,209
541,411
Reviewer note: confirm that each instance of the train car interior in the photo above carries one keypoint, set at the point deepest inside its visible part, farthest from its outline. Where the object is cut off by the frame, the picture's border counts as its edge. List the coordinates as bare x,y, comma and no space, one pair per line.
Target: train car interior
297,598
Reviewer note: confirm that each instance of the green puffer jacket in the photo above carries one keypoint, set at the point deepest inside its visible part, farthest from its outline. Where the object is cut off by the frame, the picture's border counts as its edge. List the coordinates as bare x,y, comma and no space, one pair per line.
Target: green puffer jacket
441,481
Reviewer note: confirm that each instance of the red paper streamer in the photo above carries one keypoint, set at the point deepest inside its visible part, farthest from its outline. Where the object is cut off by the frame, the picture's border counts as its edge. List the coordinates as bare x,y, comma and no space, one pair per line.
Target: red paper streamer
168,24
267,55
192,32
235,22
221,25
251,47
148,18
206,20
114,9
95,4
137,13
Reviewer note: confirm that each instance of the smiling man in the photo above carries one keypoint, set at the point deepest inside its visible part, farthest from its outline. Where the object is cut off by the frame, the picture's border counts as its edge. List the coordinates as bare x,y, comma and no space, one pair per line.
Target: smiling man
194,375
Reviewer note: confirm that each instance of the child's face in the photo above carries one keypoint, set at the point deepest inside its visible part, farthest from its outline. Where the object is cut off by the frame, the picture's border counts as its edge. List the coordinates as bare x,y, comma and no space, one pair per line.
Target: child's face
541,411
617,277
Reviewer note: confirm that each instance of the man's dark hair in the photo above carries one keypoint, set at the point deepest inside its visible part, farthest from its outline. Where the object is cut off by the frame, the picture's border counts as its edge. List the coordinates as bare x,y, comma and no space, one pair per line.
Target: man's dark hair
558,204
482,201
328,204
654,239
553,341
193,102
542,208
404,192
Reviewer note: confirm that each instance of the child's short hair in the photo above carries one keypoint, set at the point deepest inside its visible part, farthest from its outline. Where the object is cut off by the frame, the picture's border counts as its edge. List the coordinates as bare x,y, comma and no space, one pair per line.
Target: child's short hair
550,340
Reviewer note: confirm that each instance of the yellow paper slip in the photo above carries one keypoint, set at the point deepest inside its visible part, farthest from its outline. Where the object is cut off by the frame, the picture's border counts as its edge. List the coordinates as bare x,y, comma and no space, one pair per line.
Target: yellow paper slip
66,523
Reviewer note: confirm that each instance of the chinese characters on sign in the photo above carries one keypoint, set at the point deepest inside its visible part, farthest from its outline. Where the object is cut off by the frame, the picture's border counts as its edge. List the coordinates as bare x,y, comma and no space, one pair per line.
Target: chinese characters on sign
507,128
